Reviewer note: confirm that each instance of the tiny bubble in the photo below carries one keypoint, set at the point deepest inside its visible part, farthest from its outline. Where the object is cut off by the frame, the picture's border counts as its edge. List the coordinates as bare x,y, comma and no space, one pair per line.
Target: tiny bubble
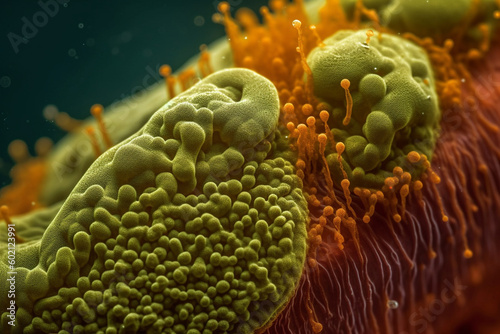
199,21
65,4
5,81
80,25
72,52
392,304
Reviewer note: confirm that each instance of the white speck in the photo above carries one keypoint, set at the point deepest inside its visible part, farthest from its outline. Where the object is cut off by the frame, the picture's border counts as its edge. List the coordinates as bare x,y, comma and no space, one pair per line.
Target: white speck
463,80
366,46
428,97
392,304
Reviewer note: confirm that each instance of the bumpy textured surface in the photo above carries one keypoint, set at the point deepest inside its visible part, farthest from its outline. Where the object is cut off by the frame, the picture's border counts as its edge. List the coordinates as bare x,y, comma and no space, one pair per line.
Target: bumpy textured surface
395,107
435,18
186,227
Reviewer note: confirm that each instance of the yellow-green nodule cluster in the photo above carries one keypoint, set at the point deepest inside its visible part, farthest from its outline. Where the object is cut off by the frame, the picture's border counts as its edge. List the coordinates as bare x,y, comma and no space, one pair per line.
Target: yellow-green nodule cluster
436,18
394,103
189,226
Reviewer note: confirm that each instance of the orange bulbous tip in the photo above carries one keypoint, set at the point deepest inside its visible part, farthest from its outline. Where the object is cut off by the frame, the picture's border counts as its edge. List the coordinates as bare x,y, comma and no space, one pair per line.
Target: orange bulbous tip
289,108
311,121
96,110
413,157
345,83
322,138
18,151
324,116
340,147
165,70
468,254
307,109
223,7
328,211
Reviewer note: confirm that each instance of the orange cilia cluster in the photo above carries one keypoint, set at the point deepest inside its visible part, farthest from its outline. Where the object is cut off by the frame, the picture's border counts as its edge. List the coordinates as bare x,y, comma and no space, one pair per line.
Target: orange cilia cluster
306,118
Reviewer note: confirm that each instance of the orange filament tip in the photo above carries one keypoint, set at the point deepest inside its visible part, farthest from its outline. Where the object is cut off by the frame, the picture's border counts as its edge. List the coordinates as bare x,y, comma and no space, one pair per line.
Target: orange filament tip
96,110
302,127
340,147
324,115
413,157
496,14
307,109
366,219
18,150
448,44
165,70
468,254
345,83
289,108
369,34
345,183
418,185
300,164
397,171
311,121
4,211
296,24
328,211
322,138
397,218
223,7
317,327
445,218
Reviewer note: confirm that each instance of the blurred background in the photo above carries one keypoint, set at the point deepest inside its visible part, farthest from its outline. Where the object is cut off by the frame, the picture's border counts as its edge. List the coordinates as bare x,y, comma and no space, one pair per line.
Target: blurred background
72,54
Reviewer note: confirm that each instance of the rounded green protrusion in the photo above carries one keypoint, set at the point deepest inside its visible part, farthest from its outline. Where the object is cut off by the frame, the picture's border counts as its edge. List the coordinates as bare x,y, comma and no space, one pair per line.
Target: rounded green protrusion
433,18
174,228
395,106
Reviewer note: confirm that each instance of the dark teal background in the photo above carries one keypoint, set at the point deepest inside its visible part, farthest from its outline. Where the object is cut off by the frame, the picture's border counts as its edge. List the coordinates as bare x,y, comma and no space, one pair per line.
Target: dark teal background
89,52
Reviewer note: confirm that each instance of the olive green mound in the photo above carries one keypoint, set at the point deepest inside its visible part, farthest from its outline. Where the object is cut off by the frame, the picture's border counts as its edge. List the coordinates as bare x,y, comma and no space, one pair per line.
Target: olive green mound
395,106
426,18
188,226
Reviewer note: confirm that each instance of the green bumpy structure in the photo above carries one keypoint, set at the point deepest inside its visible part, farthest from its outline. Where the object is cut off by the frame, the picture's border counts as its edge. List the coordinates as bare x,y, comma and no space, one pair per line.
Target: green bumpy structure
188,226
439,19
395,107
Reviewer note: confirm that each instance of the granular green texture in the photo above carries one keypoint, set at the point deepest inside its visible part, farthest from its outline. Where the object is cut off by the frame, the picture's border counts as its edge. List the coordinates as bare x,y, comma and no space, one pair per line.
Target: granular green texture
435,18
395,106
189,226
